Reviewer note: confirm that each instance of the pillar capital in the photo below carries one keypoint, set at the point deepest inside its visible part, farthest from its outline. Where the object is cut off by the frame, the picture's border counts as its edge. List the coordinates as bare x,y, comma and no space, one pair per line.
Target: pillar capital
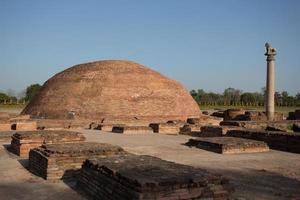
270,52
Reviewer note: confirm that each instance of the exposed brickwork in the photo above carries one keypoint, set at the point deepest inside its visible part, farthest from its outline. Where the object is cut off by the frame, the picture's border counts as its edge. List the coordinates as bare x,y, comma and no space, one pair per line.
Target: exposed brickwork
205,120
132,129
191,129
275,139
57,161
5,126
145,177
167,128
261,116
28,125
114,89
234,114
228,145
216,131
283,125
22,142
242,115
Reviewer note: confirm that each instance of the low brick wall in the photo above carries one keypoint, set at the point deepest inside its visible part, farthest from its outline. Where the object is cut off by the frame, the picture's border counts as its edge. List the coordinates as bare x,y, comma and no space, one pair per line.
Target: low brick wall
22,142
216,131
191,129
283,125
146,177
167,128
109,127
234,114
57,161
132,129
228,145
205,120
27,125
275,139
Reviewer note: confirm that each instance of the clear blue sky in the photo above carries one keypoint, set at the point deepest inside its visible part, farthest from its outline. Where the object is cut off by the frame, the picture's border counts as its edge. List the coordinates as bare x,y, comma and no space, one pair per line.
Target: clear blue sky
209,44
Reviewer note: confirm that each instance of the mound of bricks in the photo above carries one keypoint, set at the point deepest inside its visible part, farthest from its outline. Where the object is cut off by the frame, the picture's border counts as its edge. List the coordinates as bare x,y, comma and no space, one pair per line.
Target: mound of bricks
278,140
228,145
132,129
22,142
57,161
145,177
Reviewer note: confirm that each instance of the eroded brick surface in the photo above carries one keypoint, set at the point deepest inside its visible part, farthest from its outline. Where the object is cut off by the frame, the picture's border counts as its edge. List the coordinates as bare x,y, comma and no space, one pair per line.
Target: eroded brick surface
132,129
22,142
57,161
228,145
275,139
146,177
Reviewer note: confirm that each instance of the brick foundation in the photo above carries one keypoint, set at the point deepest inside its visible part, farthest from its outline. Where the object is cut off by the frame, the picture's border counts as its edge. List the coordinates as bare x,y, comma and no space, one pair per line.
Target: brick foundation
22,142
132,129
166,128
146,177
228,145
275,139
27,125
57,161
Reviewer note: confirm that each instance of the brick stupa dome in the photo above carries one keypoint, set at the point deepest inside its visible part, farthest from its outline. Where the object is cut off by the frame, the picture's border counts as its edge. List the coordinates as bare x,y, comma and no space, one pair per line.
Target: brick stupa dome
112,89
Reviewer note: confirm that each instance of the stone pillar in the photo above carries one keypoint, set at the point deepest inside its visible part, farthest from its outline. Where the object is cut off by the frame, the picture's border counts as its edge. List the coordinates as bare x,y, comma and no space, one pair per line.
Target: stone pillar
270,84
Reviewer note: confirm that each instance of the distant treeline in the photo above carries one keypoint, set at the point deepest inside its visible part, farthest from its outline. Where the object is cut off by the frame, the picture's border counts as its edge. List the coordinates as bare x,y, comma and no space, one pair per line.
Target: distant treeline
235,97
9,97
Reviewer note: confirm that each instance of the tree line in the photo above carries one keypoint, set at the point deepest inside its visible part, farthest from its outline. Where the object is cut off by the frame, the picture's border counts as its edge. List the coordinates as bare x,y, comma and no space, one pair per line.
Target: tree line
235,97
9,97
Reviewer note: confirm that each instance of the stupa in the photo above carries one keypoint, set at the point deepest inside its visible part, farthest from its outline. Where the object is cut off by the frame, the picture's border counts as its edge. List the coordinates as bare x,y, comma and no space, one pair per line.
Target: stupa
112,89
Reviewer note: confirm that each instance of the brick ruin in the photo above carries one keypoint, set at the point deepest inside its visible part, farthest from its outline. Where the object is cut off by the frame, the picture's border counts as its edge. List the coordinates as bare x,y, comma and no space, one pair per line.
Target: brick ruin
278,140
132,129
145,177
9,122
57,161
228,145
283,125
22,142
294,115
242,115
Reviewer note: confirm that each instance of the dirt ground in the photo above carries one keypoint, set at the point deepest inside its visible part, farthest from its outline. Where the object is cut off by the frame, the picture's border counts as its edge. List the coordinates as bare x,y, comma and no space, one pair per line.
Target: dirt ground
269,175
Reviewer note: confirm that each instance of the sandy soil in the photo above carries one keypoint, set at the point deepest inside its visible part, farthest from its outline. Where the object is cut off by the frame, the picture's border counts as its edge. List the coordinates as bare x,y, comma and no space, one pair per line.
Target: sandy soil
269,175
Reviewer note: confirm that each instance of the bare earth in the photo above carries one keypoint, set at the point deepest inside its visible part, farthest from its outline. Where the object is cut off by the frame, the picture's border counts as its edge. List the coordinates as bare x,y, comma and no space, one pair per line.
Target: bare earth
269,175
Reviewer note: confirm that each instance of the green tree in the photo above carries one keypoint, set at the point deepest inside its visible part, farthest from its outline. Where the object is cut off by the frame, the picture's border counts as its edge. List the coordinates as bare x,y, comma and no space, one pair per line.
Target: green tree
4,97
31,91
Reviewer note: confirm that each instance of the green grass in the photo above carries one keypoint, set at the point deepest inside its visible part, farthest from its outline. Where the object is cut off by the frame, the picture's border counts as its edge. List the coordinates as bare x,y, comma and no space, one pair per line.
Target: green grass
12,106
282,109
